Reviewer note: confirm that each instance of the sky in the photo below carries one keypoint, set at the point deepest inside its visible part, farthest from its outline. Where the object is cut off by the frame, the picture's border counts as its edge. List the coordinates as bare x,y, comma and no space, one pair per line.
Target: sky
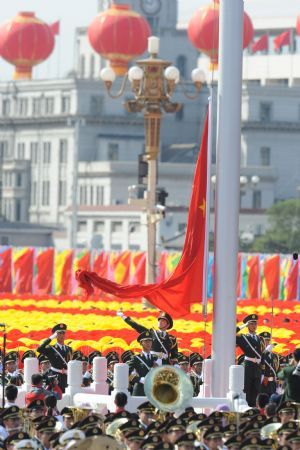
73,13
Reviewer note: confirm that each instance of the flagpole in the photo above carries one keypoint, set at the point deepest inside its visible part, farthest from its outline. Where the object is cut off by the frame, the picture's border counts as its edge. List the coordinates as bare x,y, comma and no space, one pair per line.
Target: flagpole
227,192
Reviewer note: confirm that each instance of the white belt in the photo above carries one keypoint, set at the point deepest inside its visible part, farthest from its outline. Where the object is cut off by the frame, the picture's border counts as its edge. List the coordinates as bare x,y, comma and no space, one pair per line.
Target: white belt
255,360
62,371
271,378
160,355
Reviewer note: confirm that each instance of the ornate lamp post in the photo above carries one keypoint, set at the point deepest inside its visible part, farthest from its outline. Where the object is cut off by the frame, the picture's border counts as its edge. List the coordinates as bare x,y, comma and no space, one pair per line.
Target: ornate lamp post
153,82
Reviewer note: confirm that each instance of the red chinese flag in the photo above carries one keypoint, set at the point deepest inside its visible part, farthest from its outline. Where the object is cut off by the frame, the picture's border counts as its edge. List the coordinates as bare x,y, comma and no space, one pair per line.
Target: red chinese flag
261,44
282,39
23,268
253,277
292,282
5,269
272,276
66,276
45,268
101,264
162,267
55,28
138,268
184,285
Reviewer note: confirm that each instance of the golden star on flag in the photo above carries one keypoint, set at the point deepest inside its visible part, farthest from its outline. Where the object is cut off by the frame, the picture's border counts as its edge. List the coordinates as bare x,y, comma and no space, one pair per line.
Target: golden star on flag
203,207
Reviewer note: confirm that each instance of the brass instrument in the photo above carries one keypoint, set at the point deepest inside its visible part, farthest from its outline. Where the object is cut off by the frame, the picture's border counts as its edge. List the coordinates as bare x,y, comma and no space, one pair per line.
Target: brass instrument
168,388
80,413
96,443
270,431
114,426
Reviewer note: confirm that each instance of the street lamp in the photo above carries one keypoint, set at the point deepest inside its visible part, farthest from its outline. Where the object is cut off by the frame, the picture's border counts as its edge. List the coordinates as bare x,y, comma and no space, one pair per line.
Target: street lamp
153,82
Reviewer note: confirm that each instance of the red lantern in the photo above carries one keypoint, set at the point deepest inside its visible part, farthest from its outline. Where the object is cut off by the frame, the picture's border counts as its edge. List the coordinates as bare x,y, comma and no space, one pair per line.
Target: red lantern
119,35
25,41
203,31
298,25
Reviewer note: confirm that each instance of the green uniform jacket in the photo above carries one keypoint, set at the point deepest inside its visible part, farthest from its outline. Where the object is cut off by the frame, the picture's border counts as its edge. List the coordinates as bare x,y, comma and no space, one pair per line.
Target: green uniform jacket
292,384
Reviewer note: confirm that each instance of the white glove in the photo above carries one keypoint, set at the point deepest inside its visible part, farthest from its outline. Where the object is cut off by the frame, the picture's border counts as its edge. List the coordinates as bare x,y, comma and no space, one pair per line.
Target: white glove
87,375
297,370
177,366
244,325
120,314
159,361
142,380
269,347
53,336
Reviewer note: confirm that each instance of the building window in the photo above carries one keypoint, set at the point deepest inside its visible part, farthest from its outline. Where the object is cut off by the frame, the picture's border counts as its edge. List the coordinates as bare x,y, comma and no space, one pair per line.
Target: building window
47,152
116,227
154,23
46,193
96,105
63,151
34,152
33,193
265,156
92,66
4,240
36,106
181,227
83,195
3,150
62,192
49,105
113,152
6,107
21,150
116,247
82,66
182,66
265,111
65,104
18,179
82,226
99,195
134,227
99,227
134,247
23,106
18,210
256,200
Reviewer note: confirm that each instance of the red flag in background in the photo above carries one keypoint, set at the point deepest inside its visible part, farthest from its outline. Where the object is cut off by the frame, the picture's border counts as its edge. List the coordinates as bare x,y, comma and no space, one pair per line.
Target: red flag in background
184,285
271,277
292,282
55,28
261,44
282,39
23,270
45,268
138,268
5,269
253,277
100,264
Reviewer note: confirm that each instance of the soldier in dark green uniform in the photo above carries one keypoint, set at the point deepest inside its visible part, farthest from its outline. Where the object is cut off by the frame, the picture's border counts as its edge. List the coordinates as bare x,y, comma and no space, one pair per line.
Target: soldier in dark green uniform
112,359
252,345
142,363
270,365
196,363
59,354
164,344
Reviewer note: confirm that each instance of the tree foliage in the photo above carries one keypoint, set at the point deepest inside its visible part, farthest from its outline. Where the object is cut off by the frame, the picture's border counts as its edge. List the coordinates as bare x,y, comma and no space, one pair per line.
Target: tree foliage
283,234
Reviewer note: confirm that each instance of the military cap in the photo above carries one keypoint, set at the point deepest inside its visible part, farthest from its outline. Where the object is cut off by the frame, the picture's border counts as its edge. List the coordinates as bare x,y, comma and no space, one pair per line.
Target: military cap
77,354
59,328
126,356
189,416
273,419
265,335
218,415
10,413
112,358
93,431
284,447
162,428
183,359
251,318
287,407
201,416
249,413
93,355
164,446
252,443
43,359
88,422
136,435
153,428
196,359
129,426
167,317
54,438
145,335
206,423
269,443
213,432
294,437
83,358
10,357
46,425
252,427
234,441
28,444
37,420
71,435
287,428
176,424
122,414
146,407
112,353
36,404
67,412
283,360
230,430
151,441
16,437
28,354
186,439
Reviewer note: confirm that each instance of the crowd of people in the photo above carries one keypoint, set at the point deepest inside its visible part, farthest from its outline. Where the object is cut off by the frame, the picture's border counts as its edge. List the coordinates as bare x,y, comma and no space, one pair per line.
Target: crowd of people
272,389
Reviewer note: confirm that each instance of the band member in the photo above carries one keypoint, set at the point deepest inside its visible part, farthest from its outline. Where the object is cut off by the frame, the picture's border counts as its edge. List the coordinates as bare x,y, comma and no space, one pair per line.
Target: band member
59,354
252,345
164,344
270,364
196,363
112,359
142,363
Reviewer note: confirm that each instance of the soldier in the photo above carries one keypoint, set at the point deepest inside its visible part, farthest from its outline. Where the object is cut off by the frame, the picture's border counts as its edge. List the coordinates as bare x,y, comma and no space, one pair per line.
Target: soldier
270,365
252,346
183,362
59,354
164,344
196,363
143,362
12,372
112,359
